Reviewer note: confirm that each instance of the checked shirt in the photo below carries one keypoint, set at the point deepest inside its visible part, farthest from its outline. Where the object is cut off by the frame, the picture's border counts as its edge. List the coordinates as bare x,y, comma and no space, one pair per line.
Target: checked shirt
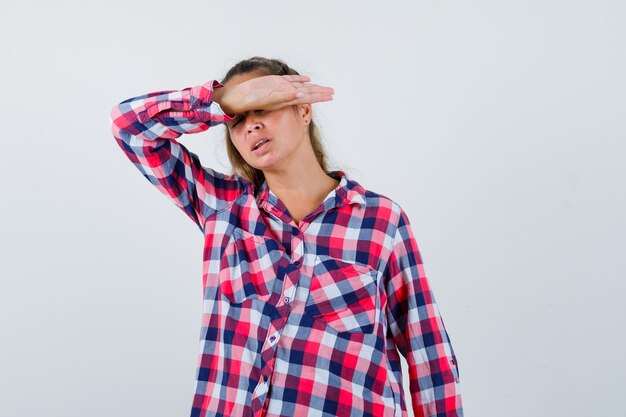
306,319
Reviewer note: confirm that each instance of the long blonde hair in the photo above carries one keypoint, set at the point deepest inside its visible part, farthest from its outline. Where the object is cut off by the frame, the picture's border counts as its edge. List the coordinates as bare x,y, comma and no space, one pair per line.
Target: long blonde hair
266,66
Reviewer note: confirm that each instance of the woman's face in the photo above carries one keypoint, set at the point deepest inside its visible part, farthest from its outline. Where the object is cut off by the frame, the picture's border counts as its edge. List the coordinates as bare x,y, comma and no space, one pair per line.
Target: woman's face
285,132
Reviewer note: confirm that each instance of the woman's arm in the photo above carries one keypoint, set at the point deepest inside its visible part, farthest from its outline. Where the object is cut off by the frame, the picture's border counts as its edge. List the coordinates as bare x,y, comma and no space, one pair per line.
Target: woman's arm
146,128
418,330
271,92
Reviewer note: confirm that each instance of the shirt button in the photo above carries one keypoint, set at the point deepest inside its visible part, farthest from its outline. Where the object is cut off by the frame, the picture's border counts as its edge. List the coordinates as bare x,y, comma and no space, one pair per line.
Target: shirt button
272,338
297,263
286,300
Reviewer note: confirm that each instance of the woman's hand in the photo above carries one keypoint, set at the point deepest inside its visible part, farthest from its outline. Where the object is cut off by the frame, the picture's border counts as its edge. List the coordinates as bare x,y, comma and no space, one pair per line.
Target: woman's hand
270,92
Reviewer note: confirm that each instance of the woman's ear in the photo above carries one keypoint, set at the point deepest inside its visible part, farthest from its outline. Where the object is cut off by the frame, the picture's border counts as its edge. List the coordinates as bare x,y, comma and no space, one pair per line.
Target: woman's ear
305,112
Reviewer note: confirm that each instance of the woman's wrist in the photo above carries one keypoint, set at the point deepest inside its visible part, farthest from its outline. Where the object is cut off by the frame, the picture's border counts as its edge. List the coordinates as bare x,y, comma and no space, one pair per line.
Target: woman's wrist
223,98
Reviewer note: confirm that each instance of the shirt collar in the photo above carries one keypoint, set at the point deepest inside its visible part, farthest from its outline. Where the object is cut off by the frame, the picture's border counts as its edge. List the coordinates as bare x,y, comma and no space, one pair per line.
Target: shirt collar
348,191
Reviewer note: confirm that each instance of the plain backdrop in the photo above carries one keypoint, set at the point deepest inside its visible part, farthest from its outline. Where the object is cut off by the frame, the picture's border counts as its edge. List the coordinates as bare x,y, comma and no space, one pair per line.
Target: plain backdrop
498,126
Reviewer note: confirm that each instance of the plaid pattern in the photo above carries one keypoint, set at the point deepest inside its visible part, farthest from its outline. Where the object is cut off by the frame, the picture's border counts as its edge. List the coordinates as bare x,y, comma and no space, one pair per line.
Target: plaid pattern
298,320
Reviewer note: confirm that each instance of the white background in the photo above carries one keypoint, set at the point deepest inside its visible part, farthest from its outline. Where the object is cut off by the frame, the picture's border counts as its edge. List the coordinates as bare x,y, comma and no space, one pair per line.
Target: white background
498,126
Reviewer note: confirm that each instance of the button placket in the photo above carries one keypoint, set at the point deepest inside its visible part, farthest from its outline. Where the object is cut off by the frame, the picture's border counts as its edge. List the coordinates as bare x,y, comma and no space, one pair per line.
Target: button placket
296,262
273,339
288,295
261,387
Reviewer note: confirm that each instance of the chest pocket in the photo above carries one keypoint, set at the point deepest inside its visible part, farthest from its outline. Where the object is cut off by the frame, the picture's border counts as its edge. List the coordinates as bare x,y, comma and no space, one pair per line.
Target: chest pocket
249,267
343,295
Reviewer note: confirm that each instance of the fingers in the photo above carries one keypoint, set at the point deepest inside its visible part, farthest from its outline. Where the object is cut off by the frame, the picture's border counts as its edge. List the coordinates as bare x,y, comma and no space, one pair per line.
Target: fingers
312,97
312,92
315,98
296,78
306,99
322,97
302,82
316,89
297,89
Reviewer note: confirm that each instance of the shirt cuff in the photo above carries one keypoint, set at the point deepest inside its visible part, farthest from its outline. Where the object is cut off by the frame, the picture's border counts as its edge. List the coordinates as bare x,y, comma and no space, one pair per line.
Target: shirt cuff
215,108
202,95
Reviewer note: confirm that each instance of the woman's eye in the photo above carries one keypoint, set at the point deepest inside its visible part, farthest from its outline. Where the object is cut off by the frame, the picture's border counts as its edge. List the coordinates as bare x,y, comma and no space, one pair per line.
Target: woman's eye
242,117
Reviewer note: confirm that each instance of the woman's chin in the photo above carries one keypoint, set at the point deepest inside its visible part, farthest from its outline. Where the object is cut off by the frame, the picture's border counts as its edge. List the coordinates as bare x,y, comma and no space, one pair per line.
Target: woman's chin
263,162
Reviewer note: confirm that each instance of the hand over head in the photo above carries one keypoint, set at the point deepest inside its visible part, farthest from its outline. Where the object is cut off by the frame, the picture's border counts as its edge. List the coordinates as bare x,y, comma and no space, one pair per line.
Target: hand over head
269,92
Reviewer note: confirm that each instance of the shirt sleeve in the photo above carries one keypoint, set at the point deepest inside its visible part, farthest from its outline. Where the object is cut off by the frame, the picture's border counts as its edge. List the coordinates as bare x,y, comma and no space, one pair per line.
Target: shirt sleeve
146,128
418,331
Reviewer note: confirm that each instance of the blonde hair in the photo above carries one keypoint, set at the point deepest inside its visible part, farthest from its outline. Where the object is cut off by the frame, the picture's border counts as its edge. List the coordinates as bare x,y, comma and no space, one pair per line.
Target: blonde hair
266,66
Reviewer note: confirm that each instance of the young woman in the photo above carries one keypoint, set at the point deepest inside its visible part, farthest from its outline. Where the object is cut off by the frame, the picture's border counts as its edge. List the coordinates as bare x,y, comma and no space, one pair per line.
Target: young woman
313,285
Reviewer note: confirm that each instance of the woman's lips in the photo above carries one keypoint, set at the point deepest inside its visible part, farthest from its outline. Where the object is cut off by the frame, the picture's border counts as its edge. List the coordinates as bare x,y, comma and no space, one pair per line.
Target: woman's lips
261,146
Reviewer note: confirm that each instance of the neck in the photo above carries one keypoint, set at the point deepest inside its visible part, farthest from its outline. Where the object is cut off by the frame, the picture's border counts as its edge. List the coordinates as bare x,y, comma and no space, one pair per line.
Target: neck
300,182
300,179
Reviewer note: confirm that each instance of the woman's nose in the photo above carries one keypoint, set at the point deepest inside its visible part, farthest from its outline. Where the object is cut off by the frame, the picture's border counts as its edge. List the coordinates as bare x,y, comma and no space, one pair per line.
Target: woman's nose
253,125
